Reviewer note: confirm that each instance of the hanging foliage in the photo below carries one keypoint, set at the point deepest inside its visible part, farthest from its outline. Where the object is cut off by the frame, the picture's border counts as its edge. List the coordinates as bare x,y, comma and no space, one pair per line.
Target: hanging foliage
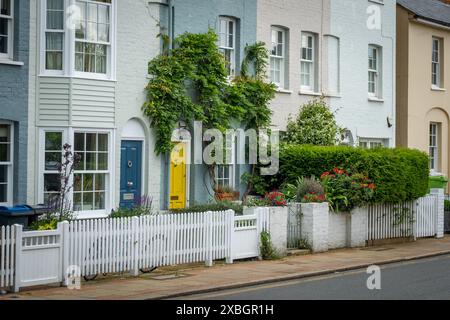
189,83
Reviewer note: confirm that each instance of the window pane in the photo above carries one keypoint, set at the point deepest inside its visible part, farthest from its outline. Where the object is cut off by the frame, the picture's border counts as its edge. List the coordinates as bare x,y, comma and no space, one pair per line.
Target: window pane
4,153
53,60
91,142
52,161
88,182
102,161
79,142
99,201
103,14
3,44
55,20
77,182
91,161
3,193
103,32
100,182
52,183
88,201
3,26
54,41
5,7
3,174
77,202
102,142
4,133
53,141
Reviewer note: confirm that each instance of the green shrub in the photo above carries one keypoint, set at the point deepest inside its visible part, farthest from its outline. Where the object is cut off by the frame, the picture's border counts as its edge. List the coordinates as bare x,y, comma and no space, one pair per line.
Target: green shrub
213,206
268,251
399,174
447,205
308,186
315,125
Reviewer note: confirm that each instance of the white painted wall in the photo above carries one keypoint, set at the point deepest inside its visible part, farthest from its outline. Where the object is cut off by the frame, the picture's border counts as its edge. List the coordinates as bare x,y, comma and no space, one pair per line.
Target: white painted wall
137,44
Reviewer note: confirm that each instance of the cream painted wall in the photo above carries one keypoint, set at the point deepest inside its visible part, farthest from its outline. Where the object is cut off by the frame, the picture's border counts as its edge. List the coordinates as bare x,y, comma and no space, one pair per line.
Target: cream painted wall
295,16
423,104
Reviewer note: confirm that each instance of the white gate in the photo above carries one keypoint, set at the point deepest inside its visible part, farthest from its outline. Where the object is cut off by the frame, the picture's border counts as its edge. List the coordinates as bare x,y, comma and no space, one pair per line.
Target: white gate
426,216
39,257
7,256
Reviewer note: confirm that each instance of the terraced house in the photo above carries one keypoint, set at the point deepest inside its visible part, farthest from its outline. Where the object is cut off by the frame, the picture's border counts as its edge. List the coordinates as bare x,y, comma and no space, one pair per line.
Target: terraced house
88,79
14,53
423,71
84,81
343,50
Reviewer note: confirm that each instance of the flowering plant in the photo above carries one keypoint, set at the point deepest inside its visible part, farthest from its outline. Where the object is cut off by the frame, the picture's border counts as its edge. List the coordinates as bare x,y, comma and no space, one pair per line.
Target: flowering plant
275,199
345,190
314,198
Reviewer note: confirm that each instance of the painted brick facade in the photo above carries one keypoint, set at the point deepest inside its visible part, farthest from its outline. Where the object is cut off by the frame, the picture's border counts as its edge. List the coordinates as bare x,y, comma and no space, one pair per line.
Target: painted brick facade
14,97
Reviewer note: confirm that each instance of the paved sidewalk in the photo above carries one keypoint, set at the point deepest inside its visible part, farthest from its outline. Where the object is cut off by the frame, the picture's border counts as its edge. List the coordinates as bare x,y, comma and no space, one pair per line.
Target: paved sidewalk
198,279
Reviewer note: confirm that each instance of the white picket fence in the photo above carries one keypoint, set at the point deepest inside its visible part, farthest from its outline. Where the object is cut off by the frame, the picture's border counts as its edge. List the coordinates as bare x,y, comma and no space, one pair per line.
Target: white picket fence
7,256
412,219
92,247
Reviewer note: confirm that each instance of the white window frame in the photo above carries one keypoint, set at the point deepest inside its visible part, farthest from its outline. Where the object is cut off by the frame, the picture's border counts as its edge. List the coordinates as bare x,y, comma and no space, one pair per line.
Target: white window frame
43,58
312,63
9,55
281,58
231,49
230,157
10,164
437,63
69,137
372,143
434,132
69,47
376,72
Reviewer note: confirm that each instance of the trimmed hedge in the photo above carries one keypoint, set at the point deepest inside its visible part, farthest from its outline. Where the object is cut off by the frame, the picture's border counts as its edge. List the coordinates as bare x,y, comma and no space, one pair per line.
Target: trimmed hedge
399,174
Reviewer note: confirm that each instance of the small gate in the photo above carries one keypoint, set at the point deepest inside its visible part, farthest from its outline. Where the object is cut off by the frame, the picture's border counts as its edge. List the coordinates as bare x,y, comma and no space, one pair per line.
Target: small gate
426,217
294,232
7,256
39,257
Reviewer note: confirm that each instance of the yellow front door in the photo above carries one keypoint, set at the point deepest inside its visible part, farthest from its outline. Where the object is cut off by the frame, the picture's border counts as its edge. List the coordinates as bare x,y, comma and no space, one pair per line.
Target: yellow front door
178,176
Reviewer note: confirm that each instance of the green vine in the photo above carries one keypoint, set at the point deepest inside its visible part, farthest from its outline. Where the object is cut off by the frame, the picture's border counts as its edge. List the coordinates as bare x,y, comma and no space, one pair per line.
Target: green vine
189,83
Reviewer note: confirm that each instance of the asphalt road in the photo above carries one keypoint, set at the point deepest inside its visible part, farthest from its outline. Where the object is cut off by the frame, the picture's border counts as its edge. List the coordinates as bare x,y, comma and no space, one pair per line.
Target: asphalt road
419,279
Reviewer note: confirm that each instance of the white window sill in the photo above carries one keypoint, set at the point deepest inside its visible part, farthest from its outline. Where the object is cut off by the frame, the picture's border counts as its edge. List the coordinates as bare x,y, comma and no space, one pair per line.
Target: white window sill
377,1
375,99
11,62
309,93
332,95
53,75
438,89
281,90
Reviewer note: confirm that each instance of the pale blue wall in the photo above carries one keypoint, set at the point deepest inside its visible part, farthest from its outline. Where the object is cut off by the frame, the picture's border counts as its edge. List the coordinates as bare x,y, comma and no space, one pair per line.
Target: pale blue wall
197,16
14,97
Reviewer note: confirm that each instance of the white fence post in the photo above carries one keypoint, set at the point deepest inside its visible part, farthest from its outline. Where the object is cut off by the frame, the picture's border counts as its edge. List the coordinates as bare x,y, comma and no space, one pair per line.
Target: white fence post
209,227
18,254
135,234
261,216
230,231
65,247
439,193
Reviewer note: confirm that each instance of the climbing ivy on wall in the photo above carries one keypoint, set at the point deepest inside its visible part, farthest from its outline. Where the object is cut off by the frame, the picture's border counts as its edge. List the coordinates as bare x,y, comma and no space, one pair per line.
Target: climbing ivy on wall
189,83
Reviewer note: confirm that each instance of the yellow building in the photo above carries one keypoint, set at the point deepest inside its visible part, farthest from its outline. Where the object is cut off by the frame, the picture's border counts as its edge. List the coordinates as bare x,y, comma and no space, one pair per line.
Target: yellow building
423,79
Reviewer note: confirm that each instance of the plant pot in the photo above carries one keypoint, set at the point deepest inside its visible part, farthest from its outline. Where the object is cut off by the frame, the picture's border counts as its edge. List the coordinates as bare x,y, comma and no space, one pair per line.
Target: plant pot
227,196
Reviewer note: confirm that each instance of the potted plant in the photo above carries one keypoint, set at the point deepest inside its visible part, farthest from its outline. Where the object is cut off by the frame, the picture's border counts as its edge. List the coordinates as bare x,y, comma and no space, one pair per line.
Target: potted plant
226,193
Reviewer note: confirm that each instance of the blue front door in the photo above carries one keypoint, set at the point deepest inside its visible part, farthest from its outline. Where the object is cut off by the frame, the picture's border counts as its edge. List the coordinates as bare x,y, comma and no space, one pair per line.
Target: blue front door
130,173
